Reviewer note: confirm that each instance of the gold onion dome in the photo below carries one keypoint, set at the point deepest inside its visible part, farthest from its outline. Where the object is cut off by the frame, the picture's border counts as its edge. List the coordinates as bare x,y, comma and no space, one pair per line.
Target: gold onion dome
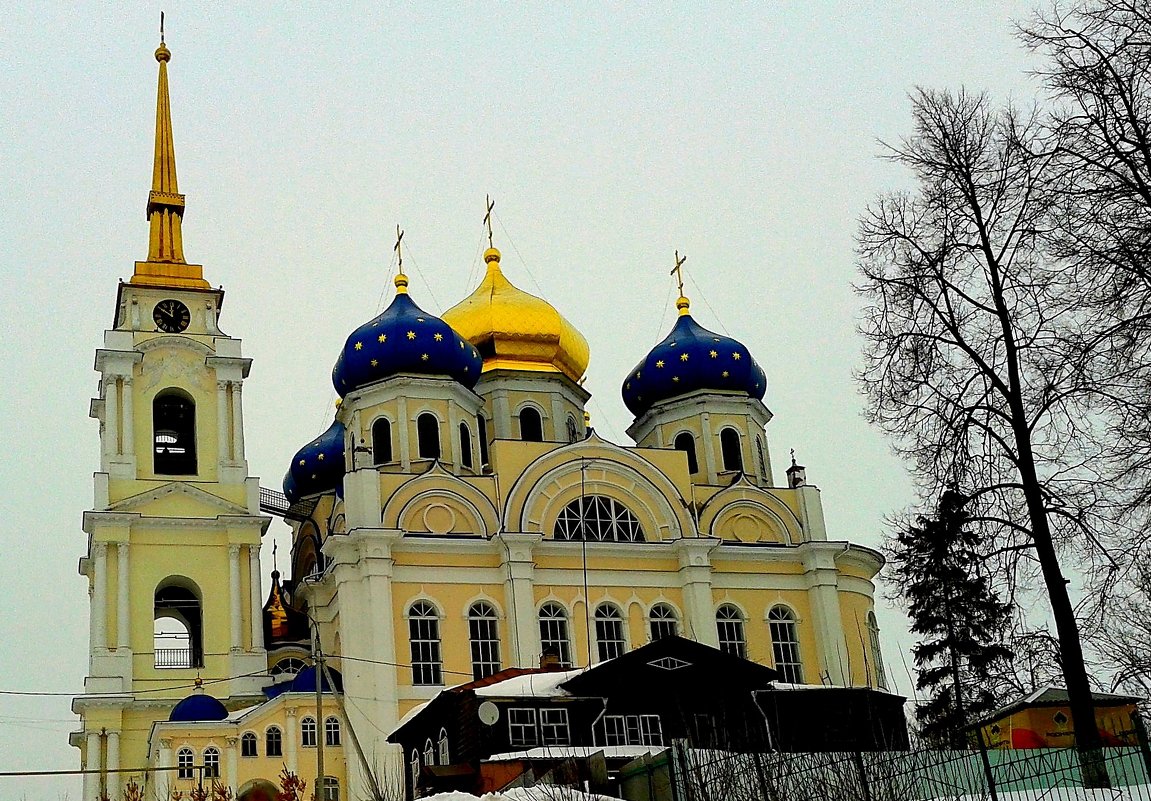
516,330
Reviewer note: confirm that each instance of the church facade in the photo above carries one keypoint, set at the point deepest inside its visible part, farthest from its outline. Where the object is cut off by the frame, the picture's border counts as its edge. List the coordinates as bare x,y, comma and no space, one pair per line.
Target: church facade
458,517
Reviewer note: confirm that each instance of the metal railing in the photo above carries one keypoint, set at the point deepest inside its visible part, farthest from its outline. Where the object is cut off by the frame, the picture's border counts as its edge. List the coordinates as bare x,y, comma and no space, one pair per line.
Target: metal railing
174,658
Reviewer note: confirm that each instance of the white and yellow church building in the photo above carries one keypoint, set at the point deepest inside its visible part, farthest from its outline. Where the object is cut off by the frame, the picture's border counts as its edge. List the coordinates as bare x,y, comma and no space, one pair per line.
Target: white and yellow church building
458,516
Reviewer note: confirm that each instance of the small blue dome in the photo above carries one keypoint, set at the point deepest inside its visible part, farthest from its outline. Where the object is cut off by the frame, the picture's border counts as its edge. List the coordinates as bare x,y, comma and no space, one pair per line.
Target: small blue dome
305,681
318,466
198,706
692,358
404,339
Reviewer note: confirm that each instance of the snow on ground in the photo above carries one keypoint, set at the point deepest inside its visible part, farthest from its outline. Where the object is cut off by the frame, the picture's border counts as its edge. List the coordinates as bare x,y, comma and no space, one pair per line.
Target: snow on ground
541,792
1140,792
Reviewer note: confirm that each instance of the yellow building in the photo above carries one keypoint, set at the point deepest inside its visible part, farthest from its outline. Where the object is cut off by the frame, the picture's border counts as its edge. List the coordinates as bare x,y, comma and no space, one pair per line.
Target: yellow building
457,517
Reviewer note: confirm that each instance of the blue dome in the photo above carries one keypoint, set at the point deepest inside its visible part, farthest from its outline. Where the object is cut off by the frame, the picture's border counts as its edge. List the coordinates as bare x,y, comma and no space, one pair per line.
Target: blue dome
305,681
318,466
198,706
404,339
692,358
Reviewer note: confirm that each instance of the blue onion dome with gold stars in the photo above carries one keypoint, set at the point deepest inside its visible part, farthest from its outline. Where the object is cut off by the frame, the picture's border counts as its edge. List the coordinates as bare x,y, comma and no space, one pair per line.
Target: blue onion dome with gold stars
318,466
690,359
404,339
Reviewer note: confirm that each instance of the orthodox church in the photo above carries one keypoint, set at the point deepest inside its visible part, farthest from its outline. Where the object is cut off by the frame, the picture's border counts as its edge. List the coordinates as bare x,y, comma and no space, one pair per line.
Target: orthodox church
458,517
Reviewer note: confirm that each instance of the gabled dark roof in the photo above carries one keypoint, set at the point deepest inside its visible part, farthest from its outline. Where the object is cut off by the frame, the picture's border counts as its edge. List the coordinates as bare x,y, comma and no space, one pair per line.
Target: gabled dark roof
1057,696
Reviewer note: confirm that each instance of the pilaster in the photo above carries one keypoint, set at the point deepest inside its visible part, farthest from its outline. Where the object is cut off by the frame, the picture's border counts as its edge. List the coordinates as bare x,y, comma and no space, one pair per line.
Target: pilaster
695,576
519,597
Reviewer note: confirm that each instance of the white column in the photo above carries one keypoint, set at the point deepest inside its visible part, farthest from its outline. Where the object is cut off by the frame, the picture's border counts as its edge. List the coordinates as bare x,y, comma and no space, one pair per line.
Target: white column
257,618
163,777
128,437
708,445
402,439
520,599
232,777
113,764
695,578
100,596
123,640
238,421
234,590
291,727
92,762
111,417
223,427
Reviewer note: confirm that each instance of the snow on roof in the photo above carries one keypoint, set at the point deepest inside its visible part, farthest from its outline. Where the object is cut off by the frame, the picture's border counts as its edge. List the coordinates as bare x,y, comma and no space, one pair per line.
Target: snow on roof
239,713
577,752
537,793
415,710
530,685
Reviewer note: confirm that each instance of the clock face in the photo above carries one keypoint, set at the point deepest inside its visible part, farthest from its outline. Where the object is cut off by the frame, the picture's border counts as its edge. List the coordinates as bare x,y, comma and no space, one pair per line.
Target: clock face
171,316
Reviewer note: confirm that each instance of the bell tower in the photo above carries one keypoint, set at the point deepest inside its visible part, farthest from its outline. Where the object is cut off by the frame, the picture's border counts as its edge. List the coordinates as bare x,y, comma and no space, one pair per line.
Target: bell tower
174,532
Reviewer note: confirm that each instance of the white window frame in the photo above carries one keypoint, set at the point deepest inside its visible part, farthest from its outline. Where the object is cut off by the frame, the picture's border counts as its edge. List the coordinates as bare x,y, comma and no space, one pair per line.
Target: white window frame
670,621
332,734
484,639
522,731
444,755
554,728
784,629
613,623
185,761
249,737
559,634
308,731
425,642
731,631
211,762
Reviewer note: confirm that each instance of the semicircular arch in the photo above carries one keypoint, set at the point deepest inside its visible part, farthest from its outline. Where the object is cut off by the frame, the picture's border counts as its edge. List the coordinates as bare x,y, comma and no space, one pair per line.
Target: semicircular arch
748,514
439,485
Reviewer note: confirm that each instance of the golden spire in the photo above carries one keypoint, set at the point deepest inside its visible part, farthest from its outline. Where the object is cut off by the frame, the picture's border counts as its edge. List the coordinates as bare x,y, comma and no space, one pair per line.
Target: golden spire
683,304
401,279
165,265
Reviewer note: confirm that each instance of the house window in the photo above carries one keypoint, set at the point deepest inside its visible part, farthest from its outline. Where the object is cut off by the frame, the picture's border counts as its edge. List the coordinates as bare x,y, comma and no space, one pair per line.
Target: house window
632,730
483,633
573,432
444,755
554,727
609,632
429,753
177,633
184,758
531,425
428,433
308,732
248,745
211,763
554,632
686,442
273,742
381,441
174,434
331,789
482,427
731,449
663,622
424,635
876,652
414,770
465,445
597,518
522,727
332,731
785,644
729,623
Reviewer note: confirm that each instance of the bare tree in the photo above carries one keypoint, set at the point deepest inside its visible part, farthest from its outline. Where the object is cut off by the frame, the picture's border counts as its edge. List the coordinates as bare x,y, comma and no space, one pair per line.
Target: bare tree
971,347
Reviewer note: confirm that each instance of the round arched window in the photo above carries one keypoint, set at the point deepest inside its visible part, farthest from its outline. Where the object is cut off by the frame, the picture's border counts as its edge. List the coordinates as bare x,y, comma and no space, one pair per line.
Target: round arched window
597,517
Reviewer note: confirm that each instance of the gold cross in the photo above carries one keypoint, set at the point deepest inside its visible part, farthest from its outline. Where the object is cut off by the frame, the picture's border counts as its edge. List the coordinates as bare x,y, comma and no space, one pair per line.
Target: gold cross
677,271
399,251
491,204
161,27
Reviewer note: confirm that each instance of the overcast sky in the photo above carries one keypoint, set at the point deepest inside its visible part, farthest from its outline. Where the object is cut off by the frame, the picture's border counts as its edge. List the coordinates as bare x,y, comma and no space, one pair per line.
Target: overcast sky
609,136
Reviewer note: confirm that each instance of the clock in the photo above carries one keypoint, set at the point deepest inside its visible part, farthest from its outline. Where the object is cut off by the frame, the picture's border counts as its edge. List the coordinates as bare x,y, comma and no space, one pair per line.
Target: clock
171,316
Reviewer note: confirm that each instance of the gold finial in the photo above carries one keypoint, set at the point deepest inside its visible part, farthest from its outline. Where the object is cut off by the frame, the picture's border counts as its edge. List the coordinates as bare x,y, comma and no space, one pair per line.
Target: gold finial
401,279
683,304
162,52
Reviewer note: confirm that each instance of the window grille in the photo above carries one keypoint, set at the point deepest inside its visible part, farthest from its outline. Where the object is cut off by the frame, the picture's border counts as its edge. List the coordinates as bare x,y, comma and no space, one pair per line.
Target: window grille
729,623
184,759
248,745
522,727
211,763
332,732
424,635
483,634
554,727
609,632
554,632
597,518
444,755
308,732
785,644
273,742
632,730
663,621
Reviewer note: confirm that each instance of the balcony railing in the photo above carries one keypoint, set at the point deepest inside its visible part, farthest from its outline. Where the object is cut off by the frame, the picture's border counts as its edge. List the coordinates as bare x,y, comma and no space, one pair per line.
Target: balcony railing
174,658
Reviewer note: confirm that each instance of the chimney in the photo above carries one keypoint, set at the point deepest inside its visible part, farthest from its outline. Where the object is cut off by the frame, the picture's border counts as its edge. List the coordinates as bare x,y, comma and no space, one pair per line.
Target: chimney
550,660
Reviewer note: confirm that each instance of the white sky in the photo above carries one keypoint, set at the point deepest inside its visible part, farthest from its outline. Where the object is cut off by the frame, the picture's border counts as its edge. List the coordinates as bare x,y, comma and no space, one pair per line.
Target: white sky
609,135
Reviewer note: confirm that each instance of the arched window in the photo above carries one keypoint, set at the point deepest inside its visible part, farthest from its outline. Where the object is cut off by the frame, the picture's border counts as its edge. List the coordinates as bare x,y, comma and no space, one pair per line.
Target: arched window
414,771
184,760
663,622
178,631
729,624
573,432
531,425
381,441
597,518
288,667
174,434
428,432
732,450
483,633
331,789
248,745
482,427
273,742
876,652
465,445
762,458
785,644
429,753
685,442
444,754
609,632
211,762
308,732
424,636
554,632
332,731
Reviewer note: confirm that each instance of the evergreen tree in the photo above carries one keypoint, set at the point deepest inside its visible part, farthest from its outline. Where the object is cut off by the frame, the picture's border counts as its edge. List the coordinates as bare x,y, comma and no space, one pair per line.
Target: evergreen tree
957,616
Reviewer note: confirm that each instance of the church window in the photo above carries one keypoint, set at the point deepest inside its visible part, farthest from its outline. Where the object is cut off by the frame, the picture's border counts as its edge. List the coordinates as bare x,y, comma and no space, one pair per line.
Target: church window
663,622
288,666
762,458
211,762
554,632
332,732
308,732
424,636
573,432
178,629
465,445
429,753
381,441
248,745
414,770
273,742
685,442
609,632
876,652
483,632
482,427
184,759
428,433
785,644
731,449
331,789
522,727
531,425
729,623
554,727
444,754
597,518
174,434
